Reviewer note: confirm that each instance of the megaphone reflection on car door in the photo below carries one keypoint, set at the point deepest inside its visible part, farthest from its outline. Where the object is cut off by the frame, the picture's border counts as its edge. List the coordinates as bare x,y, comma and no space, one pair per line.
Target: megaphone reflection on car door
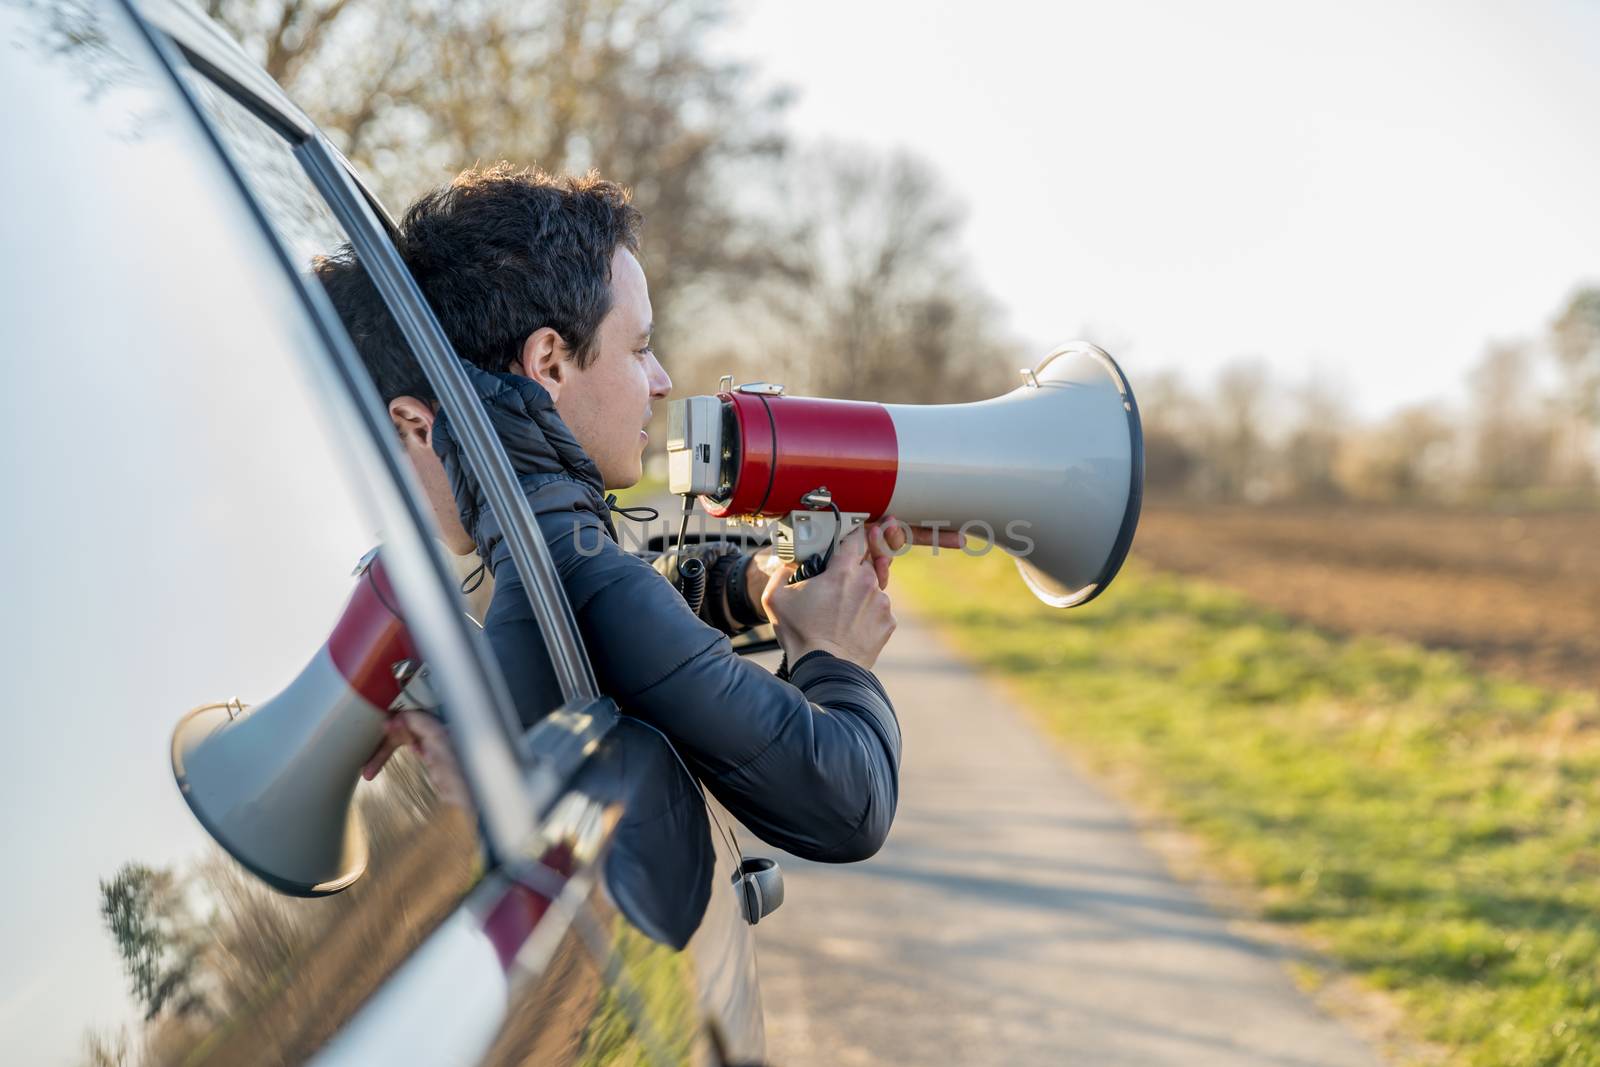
274,785
1052,472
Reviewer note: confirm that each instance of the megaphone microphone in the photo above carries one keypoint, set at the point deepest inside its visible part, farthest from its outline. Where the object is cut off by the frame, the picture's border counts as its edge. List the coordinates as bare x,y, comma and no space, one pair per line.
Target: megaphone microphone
274,785
1052,472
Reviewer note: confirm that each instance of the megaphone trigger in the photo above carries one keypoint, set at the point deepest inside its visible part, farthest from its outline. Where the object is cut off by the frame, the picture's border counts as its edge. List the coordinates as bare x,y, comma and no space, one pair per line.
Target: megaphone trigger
809,537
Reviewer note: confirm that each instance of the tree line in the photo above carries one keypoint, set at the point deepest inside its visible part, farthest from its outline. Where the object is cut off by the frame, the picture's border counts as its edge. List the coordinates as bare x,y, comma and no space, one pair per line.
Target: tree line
834,268
839,269
1528,432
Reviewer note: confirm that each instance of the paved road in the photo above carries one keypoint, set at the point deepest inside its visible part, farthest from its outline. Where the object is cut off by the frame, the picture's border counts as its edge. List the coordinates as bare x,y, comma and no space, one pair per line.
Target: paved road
1015,918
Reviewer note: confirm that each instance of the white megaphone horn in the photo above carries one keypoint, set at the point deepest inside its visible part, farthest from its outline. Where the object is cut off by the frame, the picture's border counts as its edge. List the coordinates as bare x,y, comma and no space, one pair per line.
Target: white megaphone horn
274,785
1052,472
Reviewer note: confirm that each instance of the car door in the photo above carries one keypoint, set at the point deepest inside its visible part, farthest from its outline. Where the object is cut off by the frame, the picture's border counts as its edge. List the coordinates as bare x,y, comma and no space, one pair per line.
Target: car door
193,468
625,830
190,480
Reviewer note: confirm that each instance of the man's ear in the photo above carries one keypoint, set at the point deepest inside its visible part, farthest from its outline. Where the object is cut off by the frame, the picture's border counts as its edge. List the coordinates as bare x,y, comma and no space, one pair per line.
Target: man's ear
413,420
543,359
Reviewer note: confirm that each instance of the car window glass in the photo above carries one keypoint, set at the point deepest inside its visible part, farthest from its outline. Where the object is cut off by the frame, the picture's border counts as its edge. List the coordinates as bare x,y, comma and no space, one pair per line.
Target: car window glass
282,189
183,522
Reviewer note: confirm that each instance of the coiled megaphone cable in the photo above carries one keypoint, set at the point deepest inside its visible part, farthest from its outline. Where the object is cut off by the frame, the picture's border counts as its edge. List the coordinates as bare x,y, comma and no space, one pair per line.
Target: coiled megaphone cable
691,569
692,581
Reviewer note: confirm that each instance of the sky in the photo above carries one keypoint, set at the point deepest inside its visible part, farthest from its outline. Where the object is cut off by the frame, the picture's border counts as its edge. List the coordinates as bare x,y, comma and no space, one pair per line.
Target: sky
1362,193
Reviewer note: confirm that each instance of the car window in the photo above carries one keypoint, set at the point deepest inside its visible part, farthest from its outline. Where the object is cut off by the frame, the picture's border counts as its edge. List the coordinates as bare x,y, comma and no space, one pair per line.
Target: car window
319,246
186,506
660,873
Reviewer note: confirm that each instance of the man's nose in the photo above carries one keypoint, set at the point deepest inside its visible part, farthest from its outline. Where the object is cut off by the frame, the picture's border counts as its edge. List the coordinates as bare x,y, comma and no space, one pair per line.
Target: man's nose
660,384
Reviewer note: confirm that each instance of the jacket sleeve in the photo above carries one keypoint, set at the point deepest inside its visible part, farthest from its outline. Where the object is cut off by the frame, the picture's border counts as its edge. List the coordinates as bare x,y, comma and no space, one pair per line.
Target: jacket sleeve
811,767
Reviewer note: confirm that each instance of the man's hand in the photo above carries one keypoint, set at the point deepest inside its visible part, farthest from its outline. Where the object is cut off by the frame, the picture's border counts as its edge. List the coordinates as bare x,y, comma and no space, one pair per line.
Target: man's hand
427,737
886,539
889,537
842,611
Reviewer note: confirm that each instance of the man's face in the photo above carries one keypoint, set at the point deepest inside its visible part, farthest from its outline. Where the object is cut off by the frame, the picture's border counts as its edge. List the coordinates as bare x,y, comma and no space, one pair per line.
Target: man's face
607,404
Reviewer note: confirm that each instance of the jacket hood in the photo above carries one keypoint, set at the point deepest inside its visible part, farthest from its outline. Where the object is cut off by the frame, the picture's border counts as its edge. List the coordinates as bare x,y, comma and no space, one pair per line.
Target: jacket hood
555,473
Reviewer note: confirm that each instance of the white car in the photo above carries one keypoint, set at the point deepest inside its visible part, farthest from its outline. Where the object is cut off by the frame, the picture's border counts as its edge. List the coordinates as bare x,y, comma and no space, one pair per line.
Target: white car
195,463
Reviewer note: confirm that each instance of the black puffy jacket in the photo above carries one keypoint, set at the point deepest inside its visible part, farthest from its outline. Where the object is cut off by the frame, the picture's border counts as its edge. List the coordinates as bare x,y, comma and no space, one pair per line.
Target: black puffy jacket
810,765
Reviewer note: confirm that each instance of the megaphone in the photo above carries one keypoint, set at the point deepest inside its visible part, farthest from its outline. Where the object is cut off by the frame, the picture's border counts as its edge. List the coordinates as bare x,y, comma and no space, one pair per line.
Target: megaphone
1052,472
274,785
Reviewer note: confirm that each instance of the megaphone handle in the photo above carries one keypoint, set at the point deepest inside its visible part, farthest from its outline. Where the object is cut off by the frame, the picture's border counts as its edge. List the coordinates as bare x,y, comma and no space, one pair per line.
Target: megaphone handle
809,538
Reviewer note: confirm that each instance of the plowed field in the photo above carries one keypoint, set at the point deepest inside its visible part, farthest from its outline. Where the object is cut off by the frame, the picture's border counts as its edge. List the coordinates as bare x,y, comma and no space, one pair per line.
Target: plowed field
1517,593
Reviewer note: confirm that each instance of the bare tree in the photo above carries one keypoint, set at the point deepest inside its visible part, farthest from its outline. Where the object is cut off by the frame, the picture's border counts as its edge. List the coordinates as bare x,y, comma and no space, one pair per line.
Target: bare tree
1310,456
1512,444
1174,453
872,299
284,34
107,1048
1237,440
156,936
1575,339
416,90
1405,459
256,932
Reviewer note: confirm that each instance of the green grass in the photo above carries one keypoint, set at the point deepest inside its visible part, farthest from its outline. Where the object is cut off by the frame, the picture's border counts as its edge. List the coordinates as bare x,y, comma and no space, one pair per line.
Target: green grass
647,489
661,982
1435,830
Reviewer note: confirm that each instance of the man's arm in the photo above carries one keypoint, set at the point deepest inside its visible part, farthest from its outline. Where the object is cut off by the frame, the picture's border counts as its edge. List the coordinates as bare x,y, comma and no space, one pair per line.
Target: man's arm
812,767
736,580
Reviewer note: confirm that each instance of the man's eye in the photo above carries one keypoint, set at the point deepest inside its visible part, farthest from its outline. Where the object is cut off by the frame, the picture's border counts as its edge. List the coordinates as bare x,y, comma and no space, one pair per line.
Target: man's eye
645,351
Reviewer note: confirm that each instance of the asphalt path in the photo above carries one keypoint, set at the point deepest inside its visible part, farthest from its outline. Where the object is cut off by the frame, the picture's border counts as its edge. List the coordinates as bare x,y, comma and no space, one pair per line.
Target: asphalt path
1016,917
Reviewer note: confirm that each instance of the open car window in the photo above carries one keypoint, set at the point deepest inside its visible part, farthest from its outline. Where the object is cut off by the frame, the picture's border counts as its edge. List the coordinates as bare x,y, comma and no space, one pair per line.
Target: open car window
320,248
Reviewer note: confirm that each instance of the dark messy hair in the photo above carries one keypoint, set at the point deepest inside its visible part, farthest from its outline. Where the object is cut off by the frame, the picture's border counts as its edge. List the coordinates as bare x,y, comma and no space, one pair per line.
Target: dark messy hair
383,349
502,252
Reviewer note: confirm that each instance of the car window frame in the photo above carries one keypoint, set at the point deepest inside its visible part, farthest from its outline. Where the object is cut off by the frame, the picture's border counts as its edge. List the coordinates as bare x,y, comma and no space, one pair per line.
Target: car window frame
217,57
221,60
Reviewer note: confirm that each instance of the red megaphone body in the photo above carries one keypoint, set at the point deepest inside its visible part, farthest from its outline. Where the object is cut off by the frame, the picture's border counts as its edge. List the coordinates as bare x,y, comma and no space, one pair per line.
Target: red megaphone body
1052,472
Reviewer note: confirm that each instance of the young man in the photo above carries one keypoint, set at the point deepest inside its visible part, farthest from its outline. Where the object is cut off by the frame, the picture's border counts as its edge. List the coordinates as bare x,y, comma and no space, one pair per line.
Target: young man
536,282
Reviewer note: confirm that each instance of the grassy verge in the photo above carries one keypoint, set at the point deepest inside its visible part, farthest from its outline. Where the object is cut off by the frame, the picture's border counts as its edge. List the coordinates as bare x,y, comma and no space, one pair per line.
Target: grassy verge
649,488
1435,830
